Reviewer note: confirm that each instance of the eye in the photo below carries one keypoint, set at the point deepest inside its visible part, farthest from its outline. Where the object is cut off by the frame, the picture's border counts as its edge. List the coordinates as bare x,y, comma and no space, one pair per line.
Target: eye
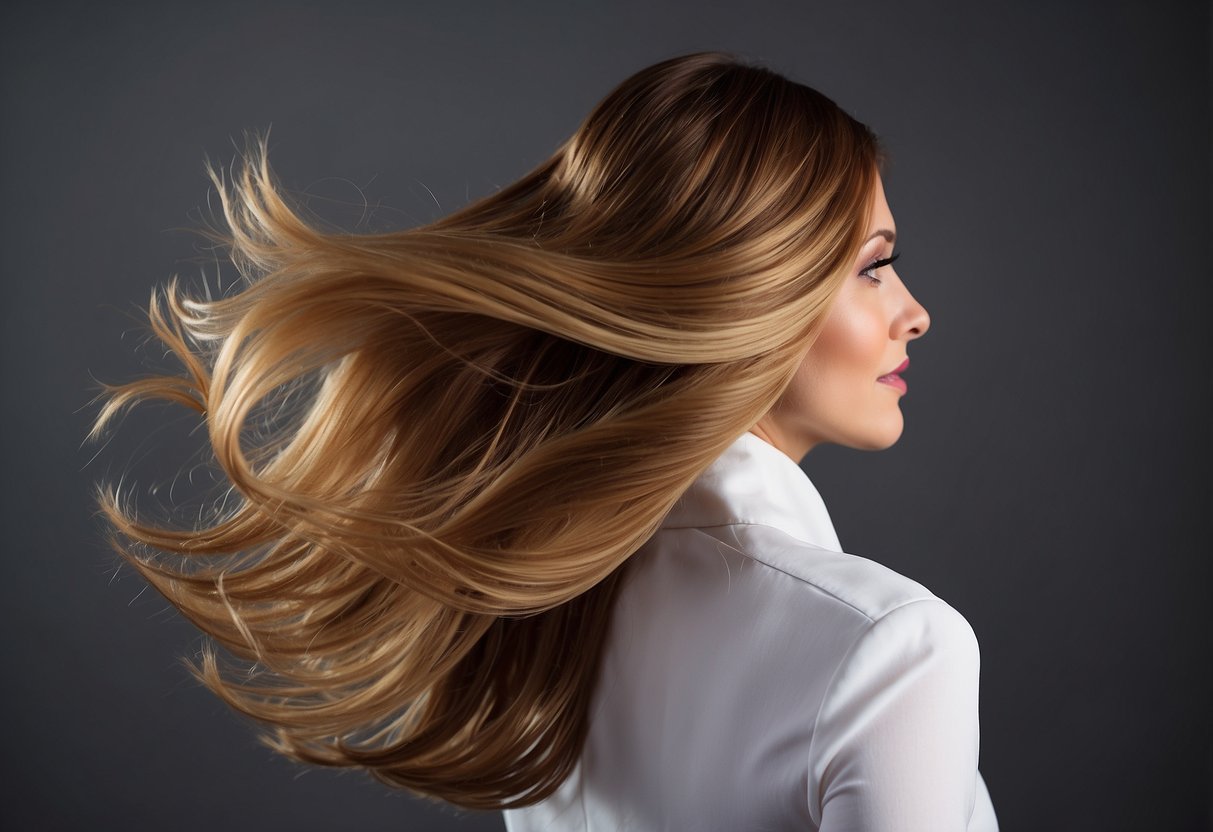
876,264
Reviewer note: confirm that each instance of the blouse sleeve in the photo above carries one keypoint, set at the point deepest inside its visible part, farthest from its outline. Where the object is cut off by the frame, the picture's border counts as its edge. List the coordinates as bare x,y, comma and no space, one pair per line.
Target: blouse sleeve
895,743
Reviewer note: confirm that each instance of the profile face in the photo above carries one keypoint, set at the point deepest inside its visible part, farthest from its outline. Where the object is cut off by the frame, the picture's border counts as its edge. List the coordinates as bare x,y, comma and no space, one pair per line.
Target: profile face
837,394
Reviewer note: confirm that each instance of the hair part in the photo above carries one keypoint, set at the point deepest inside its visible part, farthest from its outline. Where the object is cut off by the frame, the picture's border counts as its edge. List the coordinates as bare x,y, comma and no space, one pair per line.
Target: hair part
477,421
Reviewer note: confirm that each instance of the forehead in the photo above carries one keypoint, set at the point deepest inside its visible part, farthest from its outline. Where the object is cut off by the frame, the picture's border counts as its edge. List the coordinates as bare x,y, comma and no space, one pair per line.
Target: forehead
882,216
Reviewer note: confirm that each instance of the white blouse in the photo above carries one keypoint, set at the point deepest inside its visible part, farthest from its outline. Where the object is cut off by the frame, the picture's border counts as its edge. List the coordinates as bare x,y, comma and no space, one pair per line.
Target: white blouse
757,678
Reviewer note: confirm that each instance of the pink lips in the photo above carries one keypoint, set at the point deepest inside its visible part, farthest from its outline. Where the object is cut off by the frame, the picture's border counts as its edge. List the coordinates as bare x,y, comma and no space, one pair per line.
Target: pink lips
894,380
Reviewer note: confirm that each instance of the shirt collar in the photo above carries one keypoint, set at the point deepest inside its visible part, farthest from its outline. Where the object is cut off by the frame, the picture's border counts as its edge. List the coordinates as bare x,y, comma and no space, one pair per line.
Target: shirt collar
753,482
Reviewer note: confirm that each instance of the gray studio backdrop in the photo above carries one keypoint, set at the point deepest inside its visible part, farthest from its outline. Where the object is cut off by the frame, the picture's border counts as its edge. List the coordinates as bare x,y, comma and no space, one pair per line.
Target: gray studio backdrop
1050,179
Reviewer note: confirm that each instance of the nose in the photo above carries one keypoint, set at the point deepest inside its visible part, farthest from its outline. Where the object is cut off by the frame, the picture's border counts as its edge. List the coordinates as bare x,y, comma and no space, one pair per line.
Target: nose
915,320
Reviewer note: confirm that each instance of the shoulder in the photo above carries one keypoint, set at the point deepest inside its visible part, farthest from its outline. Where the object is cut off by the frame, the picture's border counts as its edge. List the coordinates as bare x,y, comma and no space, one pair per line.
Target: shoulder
819,610
893,621
867,589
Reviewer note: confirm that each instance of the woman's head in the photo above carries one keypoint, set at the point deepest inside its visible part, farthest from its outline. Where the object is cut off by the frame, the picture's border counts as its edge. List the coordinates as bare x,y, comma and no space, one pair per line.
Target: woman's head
463,430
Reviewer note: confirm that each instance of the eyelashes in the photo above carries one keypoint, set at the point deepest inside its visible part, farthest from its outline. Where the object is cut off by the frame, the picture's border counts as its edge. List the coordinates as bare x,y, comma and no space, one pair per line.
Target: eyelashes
876,264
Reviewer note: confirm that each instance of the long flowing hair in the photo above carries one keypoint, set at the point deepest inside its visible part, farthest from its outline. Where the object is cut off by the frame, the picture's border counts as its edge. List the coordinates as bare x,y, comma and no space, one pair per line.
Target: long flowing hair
473,423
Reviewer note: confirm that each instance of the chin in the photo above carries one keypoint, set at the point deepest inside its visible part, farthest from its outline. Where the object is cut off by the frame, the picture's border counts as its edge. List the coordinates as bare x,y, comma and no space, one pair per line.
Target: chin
871,444
879,438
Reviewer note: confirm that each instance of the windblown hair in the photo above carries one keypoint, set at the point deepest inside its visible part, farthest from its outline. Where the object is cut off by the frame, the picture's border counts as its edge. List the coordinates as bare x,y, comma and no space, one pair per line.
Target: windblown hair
476,422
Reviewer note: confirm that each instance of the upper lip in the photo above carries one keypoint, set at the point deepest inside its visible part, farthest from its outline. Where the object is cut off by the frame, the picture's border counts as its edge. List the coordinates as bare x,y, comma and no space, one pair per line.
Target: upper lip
903,365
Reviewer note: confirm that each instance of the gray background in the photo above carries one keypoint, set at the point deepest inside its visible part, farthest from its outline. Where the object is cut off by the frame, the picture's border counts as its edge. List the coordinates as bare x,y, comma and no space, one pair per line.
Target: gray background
1051,186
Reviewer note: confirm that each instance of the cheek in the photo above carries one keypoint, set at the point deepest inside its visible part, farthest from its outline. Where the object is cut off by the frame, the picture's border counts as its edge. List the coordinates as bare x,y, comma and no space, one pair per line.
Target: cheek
848,351
852,346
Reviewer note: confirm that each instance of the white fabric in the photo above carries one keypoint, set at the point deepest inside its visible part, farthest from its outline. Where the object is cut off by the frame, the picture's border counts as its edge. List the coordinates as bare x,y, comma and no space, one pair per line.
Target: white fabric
758,678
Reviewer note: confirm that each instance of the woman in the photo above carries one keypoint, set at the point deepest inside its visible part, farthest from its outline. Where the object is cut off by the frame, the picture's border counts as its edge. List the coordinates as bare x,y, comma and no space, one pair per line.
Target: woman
521,524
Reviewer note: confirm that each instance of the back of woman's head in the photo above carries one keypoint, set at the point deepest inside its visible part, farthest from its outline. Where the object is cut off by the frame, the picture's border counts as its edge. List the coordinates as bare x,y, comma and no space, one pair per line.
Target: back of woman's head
465,429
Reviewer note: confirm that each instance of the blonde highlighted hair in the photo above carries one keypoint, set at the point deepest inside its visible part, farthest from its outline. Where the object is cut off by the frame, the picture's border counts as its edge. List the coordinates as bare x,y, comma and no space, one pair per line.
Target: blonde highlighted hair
475,422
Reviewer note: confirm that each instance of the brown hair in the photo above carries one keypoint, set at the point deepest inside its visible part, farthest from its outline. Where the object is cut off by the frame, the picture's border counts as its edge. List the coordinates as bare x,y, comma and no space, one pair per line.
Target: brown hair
475,422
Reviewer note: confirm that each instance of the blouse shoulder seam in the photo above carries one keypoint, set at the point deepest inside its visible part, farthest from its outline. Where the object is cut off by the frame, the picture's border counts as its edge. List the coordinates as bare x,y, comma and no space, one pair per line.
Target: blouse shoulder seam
801,578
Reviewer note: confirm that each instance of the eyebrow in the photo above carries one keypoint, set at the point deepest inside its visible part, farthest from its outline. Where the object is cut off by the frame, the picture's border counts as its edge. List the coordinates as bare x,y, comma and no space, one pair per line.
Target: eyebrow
884,232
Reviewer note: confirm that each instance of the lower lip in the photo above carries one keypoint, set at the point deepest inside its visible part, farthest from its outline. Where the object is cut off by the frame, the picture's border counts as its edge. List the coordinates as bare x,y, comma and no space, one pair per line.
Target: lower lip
894,380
